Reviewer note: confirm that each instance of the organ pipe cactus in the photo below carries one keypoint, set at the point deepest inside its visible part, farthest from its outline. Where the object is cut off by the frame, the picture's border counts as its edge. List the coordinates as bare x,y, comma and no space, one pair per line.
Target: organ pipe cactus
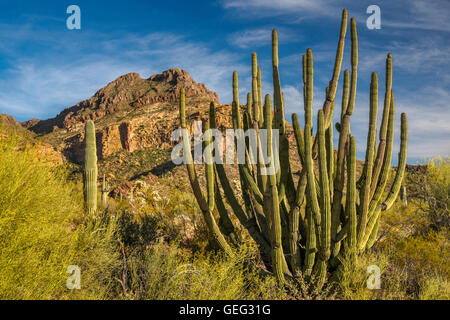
306,225
90,168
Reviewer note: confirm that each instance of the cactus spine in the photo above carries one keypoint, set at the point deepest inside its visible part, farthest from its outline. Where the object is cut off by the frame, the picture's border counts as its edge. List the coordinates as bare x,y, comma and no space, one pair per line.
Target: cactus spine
305,228
90,168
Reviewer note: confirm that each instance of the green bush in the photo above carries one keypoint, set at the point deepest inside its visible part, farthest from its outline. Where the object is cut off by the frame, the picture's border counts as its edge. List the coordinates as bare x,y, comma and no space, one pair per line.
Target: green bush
43,230
166,272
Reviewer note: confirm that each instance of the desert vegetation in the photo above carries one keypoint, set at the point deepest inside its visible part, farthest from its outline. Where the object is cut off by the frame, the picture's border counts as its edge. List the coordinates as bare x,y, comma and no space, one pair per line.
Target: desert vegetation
238,234
305,231
161,249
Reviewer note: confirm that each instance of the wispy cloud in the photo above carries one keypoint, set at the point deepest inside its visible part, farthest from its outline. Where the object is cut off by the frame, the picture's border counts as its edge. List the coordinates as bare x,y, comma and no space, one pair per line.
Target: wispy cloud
421,14
42,85
255,38
280,7
61,68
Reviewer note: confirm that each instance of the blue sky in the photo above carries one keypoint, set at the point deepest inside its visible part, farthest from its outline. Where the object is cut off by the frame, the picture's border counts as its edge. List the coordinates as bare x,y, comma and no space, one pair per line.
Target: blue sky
44,67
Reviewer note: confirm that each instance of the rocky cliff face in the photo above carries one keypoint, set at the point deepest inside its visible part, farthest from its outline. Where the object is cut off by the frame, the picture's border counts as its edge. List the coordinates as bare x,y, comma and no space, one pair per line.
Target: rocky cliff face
45,152
130,113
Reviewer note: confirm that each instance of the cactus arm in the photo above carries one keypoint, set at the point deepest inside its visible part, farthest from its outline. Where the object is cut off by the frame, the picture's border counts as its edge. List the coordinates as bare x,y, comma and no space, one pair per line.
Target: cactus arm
261,113
277,95
271,197
344,131
244,169
249,104
331,94
354,62
325,203
309,165
262,178
249,223
236,101
330,159
192,175
401,165
324,243
225,224
299,138
350,205
294,217
311,183
209,167
295,258
370,155
309,89
90,168
305,76
345,93
255,110
396,185
284,166
384,175
206,205
311,249
330,152
236,95
383,128
247,176
330,97
373,234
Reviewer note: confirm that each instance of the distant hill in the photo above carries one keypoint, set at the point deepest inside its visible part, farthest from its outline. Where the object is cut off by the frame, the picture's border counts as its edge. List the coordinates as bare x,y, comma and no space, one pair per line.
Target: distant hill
130,113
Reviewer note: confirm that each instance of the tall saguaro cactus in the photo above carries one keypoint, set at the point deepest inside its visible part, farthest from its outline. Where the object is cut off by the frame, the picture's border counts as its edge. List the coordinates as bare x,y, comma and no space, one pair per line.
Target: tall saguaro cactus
90,168
308,226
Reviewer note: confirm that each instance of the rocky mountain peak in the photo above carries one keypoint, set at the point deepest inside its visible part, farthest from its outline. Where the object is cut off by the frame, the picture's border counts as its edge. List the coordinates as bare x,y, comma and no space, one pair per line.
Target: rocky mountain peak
130,113
125,94
172,76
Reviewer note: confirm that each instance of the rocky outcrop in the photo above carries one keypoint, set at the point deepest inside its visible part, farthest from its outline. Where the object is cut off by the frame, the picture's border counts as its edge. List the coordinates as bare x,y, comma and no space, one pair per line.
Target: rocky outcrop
43,151
126,93
145,131
130,113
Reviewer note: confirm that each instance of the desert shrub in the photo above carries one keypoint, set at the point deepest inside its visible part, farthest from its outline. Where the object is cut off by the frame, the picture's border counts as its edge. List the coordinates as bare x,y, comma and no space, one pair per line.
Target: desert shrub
434,288
176,215
136,231
35,211
431,192
414,239
168,272
43,230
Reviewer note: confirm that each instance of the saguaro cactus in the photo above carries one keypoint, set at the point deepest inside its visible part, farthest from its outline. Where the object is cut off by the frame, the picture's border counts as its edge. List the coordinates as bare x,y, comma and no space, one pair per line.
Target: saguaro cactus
305,227
90,168
105,191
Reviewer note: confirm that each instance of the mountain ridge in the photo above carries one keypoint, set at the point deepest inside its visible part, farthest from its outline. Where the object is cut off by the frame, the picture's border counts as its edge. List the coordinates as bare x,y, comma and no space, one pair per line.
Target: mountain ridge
129,89
130,113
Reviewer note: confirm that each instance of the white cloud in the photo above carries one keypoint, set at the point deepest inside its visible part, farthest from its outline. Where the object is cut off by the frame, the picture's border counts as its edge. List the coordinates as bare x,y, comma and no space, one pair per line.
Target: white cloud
270,7
42,85
422,14
254,38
